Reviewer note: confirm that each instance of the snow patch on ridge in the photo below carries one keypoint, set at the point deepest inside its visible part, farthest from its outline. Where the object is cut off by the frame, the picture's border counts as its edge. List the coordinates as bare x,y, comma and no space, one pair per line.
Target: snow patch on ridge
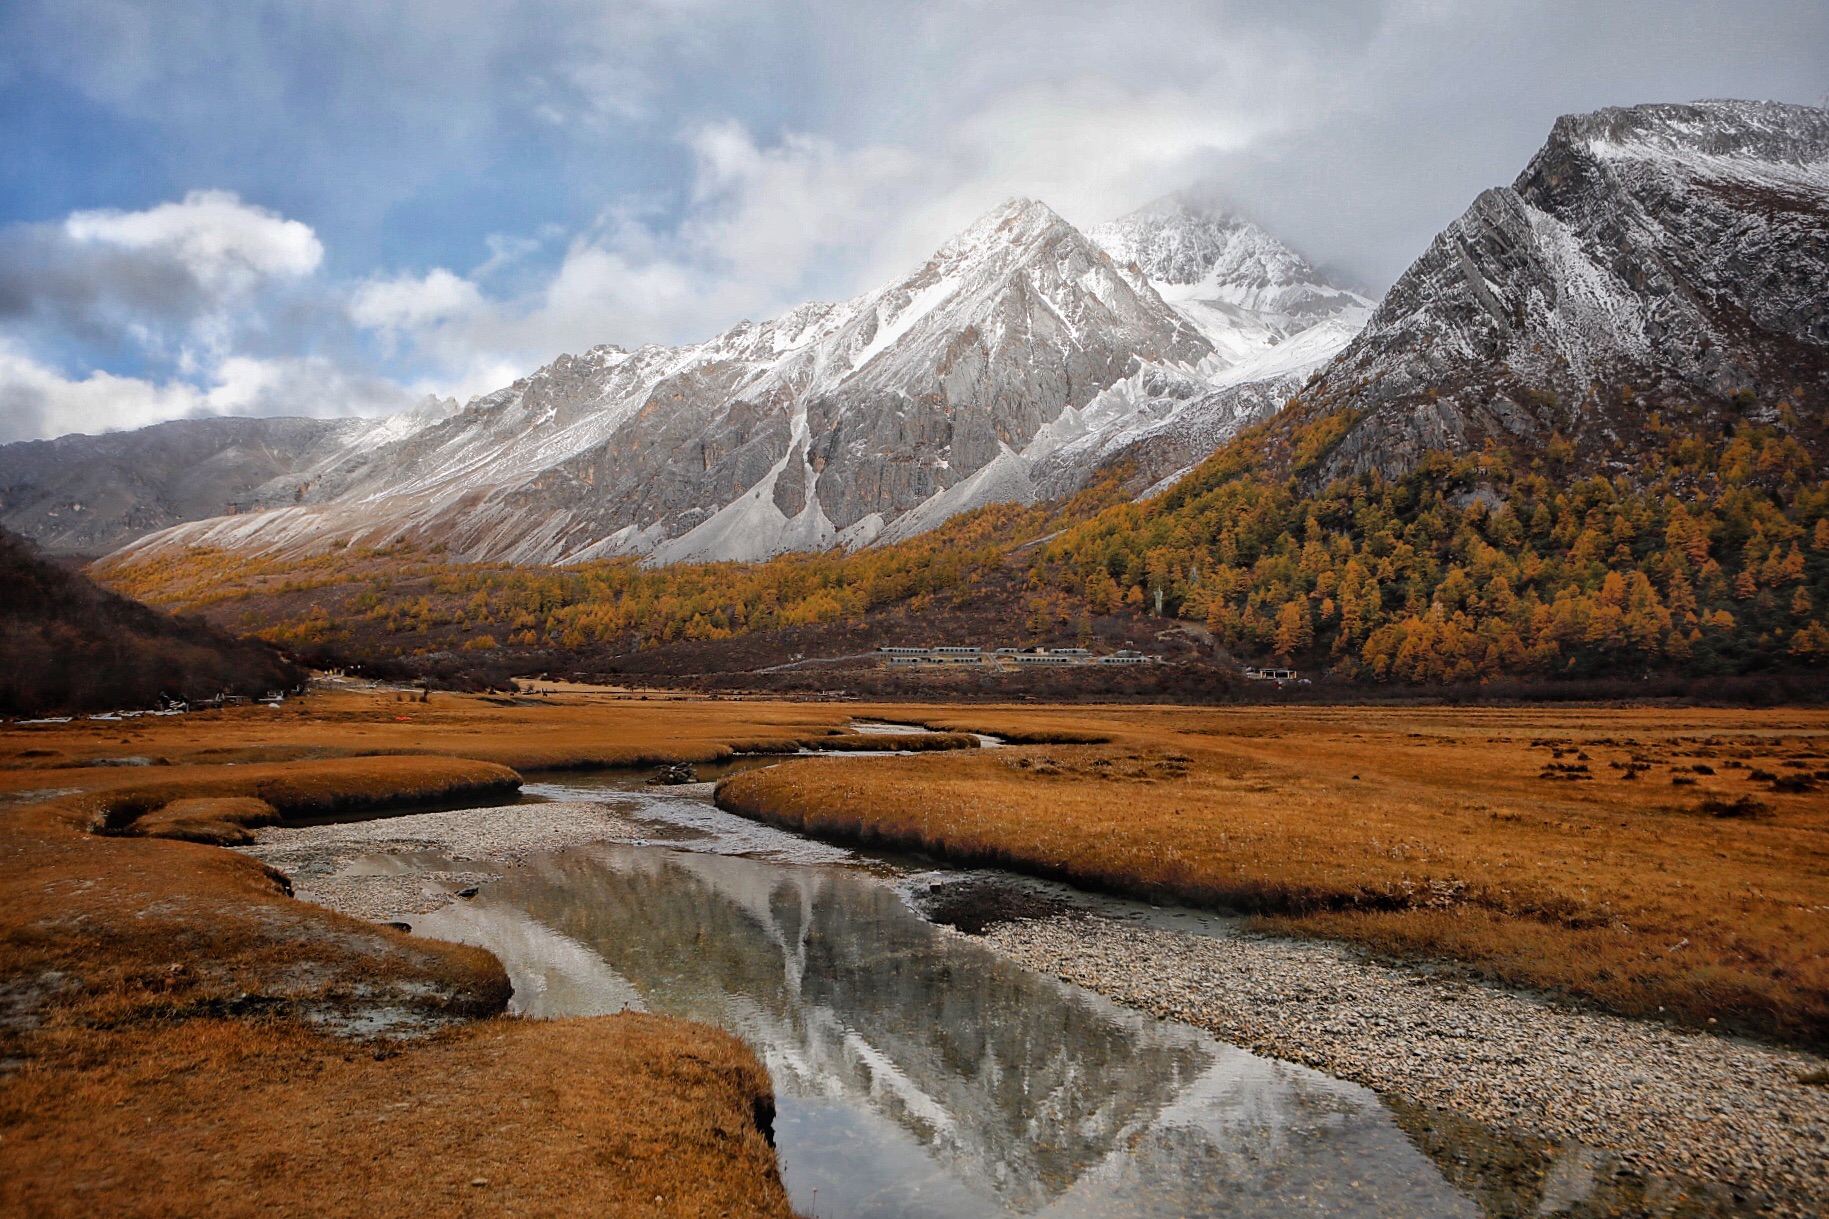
1002,480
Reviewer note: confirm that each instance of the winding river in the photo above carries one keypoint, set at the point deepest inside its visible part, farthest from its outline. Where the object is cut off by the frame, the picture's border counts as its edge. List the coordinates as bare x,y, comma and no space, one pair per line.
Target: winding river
916,1072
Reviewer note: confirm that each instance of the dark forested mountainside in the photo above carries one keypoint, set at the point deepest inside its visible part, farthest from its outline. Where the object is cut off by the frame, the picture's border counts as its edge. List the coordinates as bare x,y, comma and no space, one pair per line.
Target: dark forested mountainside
68,645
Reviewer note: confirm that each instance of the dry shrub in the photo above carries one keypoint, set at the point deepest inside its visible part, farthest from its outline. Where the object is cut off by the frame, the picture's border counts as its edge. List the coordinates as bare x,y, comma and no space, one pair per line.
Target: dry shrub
1737,806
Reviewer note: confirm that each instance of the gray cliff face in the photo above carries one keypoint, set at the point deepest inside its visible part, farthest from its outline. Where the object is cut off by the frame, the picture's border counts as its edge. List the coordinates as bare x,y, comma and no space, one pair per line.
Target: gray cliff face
91,494
1660,257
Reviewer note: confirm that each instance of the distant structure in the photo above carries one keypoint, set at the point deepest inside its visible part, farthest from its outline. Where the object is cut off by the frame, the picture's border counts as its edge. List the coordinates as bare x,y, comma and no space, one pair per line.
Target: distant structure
1125,656
1007,659
1252,674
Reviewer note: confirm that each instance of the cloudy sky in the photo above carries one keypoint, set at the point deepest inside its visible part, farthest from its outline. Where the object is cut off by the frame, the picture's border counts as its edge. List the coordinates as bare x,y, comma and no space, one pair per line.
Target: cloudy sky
235,206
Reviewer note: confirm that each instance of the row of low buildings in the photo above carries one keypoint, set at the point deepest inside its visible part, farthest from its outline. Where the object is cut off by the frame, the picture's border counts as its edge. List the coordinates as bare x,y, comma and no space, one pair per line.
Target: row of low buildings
1009,657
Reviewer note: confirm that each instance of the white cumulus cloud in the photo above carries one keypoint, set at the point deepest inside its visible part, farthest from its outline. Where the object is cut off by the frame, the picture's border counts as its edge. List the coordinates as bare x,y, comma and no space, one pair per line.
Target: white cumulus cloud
37,400
225,243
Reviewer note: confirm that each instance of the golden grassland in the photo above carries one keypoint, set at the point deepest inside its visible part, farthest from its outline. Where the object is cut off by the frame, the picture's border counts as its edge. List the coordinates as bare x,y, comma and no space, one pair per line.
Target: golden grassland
164,999
163,1047
535,732
620,1115
1511,841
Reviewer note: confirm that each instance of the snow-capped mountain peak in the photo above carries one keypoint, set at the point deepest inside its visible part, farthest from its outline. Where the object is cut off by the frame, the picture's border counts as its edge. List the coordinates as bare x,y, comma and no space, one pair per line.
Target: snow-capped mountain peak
1019,350
1661,259
819,427
1246,290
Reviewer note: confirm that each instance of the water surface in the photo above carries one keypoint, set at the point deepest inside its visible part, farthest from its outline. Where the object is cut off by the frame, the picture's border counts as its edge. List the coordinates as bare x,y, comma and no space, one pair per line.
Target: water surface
916,1072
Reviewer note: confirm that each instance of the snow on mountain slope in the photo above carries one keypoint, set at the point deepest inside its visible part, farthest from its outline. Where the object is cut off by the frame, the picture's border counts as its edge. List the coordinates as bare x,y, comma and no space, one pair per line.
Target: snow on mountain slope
822,426
90,494
1246,290
1661,260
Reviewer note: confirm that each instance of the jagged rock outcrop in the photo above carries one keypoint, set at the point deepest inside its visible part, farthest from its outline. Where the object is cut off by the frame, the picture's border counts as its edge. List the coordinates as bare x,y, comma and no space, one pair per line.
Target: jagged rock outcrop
1664,258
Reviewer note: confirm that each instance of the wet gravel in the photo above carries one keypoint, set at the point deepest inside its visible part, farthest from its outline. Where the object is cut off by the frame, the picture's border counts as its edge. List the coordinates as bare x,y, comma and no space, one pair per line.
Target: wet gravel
437,857
1662,1100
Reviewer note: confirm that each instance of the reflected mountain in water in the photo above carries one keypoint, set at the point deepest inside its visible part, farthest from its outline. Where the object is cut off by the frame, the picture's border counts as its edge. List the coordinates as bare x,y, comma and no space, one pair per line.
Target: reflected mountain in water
919,1073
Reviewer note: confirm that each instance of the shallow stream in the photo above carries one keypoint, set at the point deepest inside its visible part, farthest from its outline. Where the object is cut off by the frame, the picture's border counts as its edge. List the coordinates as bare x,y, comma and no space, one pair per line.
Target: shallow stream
917,1073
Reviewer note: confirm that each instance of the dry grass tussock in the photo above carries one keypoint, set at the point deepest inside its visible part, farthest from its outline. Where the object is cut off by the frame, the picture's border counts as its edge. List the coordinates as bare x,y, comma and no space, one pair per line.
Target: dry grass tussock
1579,851
168,1011
223,821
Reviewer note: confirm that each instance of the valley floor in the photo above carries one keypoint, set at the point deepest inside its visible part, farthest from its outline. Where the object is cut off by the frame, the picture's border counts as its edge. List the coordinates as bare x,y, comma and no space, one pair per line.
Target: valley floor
1669,862
181,1036
175,1022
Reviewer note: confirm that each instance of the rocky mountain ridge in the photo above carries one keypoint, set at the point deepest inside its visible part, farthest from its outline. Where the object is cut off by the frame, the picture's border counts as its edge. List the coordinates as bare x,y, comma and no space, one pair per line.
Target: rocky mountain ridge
89,494
1653,268
1656,267
1021,348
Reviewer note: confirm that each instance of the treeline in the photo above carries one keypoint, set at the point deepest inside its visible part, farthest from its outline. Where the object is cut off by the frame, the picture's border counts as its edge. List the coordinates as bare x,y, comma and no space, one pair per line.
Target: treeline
68,645
413,595
1713,560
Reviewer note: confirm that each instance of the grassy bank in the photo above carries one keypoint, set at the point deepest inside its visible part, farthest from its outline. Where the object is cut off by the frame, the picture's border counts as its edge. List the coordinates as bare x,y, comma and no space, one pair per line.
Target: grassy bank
561,731
1631,858
180,1036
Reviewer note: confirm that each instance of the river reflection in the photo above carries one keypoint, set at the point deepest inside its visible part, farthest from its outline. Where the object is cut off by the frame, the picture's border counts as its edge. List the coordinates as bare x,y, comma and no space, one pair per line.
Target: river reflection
916,1072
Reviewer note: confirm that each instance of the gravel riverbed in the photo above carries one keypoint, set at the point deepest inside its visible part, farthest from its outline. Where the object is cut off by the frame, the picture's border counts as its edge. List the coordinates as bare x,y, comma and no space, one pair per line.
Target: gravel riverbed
1662,1100
390,868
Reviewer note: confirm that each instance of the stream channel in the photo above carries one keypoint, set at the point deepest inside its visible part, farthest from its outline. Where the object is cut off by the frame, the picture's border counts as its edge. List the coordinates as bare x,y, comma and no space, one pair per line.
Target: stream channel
918,1074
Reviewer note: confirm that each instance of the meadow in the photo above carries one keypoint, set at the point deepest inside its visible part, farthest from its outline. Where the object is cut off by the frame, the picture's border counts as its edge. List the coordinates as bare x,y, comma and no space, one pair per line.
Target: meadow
169,1042
172,1034
1663,863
